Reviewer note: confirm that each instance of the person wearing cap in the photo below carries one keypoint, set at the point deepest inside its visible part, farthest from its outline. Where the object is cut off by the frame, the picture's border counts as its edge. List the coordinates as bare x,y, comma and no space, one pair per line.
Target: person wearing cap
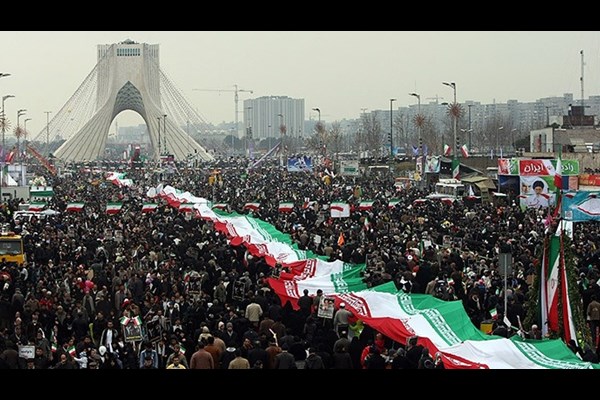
343,341
341,319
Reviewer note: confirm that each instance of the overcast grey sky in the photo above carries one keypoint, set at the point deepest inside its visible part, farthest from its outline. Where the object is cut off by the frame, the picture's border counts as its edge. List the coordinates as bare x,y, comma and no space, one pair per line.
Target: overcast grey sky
339,72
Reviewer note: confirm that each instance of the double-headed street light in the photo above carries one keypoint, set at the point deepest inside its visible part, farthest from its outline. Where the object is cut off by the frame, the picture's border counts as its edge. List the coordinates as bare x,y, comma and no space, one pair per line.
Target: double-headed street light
391,131
20,112
25,133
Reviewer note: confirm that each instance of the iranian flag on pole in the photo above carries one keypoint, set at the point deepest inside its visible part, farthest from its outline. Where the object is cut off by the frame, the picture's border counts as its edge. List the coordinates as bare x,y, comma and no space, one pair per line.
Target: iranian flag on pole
365,205
549,285
113,208
291,290
567,312
464,150
149,207
494,313
286,206
445,326
75,207
393,203
447,150
71,350
558,174
53,342
455,168
37,206
367,224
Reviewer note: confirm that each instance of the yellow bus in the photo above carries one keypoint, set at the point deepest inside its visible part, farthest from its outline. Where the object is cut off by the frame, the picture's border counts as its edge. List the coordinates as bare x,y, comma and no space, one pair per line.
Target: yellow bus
11,247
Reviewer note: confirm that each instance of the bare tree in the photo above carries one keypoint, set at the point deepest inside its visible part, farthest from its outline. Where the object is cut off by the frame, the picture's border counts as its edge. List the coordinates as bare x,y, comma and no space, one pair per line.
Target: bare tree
370,135
401,133
334,138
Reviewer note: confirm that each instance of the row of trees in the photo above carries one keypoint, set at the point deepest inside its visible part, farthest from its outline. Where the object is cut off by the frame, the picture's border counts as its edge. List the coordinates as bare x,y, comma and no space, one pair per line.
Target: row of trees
371,135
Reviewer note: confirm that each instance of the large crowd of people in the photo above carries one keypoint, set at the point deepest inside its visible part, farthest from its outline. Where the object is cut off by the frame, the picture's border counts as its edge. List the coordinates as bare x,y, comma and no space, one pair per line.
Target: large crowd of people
165,290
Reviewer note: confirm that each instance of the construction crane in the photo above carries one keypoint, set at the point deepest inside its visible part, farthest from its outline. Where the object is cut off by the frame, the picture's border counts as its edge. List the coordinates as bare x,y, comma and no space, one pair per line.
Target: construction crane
236,92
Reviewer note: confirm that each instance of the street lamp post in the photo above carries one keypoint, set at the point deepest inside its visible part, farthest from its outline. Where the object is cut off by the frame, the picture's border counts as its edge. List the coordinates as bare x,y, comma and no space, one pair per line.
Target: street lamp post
391,131
319,112
249,145
320,132
270,134
281,137
8,96
455,159
158,118
470,130
512,138
418,123
48,131
18,131
24,150
165,133
498,140
3,153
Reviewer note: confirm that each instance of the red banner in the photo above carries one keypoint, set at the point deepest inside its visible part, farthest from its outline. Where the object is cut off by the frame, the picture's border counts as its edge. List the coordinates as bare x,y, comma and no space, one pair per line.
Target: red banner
589,180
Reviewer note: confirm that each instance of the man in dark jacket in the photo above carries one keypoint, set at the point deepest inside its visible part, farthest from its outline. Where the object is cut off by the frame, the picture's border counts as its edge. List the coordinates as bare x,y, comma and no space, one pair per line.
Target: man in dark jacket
285,359
313,361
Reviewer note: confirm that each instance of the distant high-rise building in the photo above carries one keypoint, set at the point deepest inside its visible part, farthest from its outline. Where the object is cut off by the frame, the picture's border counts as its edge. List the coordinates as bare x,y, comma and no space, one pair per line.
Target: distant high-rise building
265,115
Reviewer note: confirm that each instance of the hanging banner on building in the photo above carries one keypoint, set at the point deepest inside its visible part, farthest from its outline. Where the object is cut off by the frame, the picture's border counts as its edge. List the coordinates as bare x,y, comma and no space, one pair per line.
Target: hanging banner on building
547,167
299,164
589,180
536,168
349,168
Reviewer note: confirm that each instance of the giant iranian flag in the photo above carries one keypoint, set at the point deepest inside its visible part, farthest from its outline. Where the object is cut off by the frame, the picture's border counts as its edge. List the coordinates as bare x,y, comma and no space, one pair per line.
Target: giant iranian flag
314,267
441,326
341,282
445,326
